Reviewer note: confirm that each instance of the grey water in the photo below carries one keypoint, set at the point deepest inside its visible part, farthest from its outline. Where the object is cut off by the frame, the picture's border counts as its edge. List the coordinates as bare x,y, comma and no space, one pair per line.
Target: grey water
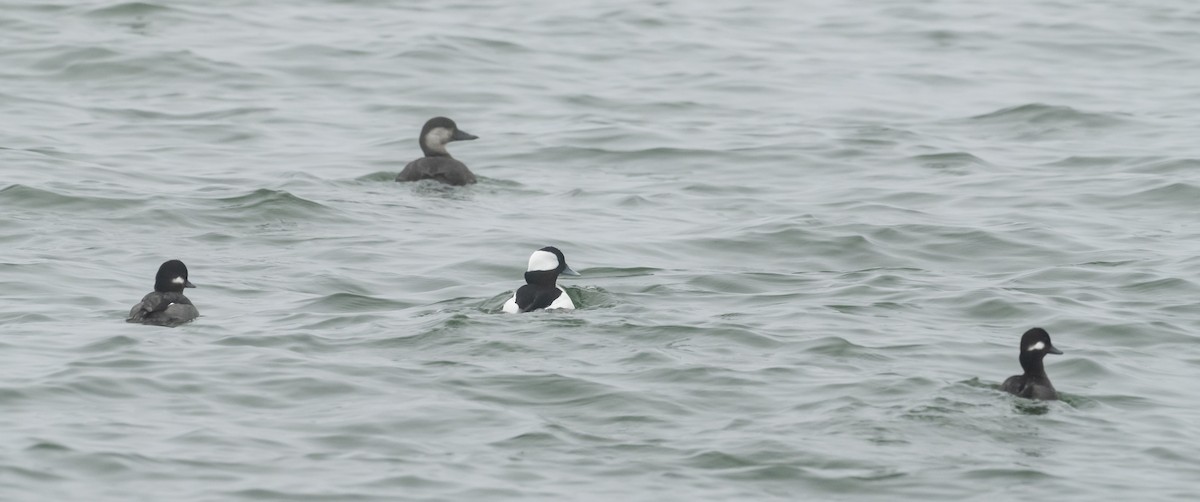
811,234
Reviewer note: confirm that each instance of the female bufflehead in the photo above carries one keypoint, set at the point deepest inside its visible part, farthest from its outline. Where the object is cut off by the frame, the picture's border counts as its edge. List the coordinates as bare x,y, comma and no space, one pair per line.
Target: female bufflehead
166,306
541,289
1034,384
437,164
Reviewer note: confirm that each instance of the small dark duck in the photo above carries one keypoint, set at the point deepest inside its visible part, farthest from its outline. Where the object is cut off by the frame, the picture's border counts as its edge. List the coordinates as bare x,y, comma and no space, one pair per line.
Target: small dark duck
1034,384
166,306
437,164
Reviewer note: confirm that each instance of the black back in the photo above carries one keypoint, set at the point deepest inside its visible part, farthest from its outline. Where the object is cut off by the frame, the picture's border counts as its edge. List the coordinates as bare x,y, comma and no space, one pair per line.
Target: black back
1030,387
532,297
163,309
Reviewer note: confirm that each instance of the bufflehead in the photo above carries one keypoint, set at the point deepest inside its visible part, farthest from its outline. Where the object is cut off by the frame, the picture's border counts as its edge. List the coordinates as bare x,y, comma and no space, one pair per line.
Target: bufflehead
1034,384
437,164
541,289
166,306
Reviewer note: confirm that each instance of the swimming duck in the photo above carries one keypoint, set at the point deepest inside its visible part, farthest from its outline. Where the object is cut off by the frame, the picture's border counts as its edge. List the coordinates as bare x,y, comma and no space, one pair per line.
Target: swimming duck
166,305
541,289
437,164
1033,384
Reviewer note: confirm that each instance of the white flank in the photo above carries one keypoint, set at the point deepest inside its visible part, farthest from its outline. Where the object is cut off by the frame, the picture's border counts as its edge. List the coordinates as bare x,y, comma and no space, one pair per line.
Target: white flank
510,306
562,302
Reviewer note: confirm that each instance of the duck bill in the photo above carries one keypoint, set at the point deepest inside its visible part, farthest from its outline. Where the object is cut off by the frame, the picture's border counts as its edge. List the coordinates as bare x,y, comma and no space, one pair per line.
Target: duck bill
461,135
188,284
1053,350
568,271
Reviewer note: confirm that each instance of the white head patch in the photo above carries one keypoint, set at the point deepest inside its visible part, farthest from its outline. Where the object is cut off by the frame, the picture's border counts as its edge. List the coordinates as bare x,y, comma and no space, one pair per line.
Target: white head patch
1036,346
178,280
437,138
542,260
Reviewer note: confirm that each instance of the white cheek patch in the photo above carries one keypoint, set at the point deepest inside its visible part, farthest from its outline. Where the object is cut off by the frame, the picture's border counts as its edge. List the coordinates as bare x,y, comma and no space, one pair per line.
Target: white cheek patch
1036,346
178,280
542,260
437,138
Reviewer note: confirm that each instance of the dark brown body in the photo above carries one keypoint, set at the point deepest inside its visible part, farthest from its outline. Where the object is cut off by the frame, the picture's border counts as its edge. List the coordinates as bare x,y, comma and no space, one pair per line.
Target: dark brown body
444,169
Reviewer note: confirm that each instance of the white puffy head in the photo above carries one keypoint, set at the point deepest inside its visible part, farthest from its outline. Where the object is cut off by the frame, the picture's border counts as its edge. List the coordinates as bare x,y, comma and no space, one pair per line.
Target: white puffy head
549,259
542,261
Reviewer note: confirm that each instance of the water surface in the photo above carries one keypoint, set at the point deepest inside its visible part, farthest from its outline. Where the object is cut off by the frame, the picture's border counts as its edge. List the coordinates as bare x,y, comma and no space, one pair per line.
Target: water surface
810,237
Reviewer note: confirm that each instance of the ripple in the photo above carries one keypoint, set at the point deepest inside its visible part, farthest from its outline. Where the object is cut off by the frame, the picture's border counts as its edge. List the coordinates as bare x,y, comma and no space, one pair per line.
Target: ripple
1044,114
948,160
35,198
272,204
350,302
130,9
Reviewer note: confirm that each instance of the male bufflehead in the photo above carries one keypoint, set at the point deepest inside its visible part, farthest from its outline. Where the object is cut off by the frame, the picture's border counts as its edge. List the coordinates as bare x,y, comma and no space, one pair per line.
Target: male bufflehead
541,289
437,164
1034,384
166,306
